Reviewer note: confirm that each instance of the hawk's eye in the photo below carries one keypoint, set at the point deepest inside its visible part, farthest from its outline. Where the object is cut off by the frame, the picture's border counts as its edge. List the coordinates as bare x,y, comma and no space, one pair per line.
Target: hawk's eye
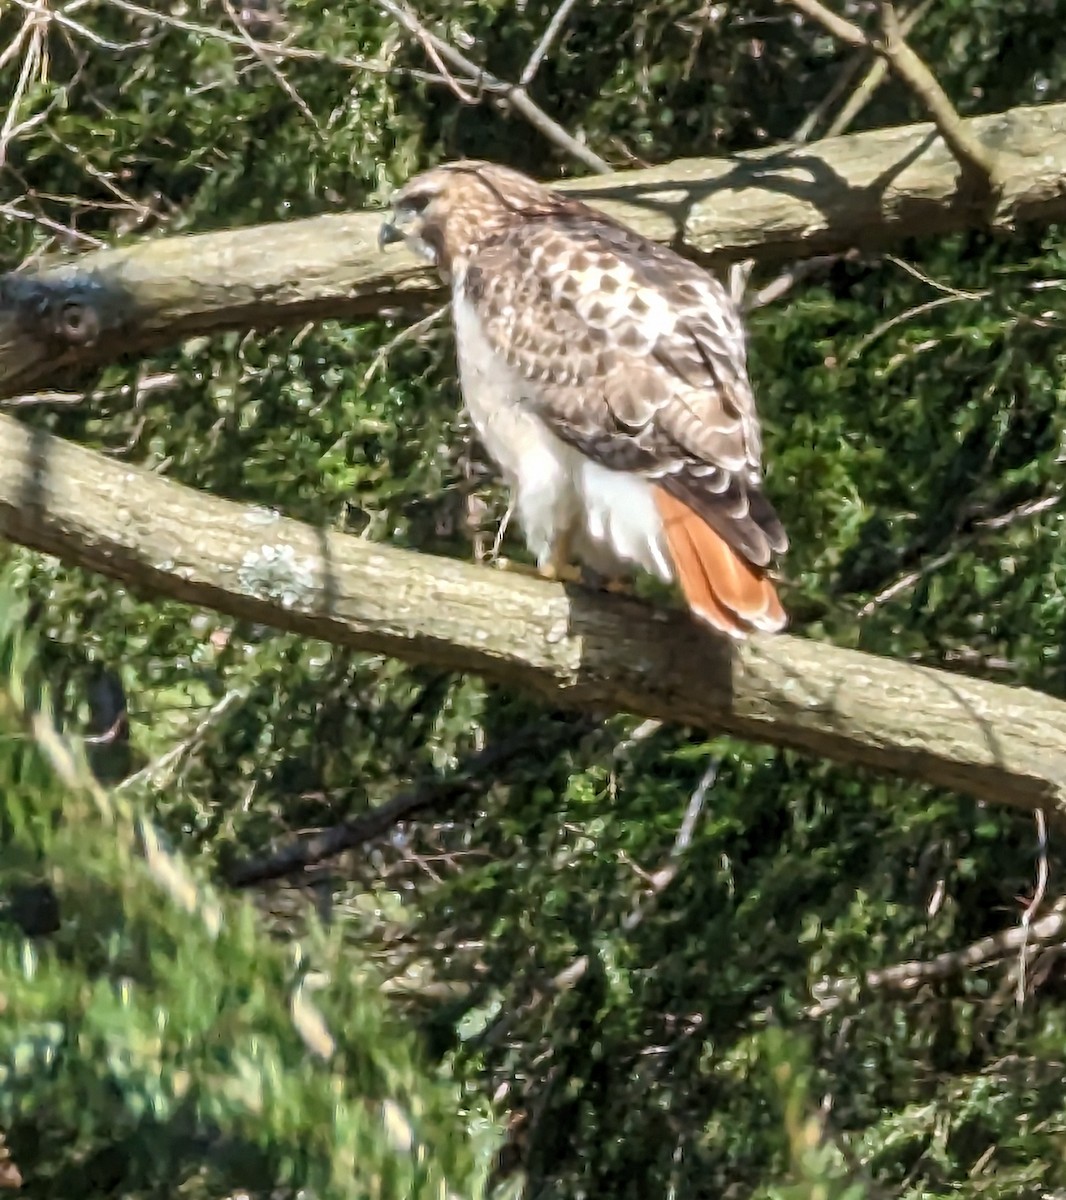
416,204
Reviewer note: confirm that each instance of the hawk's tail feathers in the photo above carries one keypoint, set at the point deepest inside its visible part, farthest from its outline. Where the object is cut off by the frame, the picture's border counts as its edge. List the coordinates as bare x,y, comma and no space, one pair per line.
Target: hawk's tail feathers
719,586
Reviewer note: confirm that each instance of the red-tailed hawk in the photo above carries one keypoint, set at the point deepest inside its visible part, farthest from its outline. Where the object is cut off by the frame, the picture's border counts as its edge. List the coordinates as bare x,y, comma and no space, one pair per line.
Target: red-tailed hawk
607,377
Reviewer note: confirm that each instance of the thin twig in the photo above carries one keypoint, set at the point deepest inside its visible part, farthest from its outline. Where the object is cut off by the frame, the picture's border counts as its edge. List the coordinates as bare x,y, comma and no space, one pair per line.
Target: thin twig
475,776
62,18
435,49
279,50
657,882
900,318
161,771
407,334
945,289
874,77
661,879
263,56
34,61
544,45
1042,872
151,383
840,85
907,977
1030,508
907,581
787,280
442,52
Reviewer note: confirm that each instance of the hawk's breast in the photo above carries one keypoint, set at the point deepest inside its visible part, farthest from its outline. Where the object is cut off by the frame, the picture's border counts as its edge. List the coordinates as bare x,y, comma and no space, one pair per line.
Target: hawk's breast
556,490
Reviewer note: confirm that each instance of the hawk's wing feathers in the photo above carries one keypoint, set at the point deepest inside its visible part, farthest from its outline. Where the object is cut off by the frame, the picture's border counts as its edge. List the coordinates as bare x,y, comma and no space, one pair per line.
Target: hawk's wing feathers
633,355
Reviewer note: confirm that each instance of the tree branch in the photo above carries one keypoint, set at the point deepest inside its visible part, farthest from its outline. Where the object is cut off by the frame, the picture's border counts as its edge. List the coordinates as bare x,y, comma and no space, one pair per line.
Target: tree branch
513,94
475,776
581,649
976,159
905,978
775,206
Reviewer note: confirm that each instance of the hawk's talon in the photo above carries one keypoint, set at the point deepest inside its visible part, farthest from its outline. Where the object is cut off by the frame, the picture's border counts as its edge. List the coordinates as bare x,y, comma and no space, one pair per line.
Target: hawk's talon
516,568
561,572
564,574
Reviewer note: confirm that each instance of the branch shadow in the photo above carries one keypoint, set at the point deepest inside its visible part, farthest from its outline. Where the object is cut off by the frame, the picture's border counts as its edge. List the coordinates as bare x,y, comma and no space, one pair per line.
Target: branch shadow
785,171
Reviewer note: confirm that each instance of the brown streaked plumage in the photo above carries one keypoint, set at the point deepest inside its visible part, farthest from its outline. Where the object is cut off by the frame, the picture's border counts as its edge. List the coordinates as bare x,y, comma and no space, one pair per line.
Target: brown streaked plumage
607,376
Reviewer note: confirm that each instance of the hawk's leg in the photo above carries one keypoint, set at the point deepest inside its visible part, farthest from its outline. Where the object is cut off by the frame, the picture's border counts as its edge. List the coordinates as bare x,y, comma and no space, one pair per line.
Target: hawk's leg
559,563
556,563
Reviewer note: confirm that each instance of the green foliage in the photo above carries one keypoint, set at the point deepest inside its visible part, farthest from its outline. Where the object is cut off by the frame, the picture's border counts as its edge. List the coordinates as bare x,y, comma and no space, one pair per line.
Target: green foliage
152,1036
913,411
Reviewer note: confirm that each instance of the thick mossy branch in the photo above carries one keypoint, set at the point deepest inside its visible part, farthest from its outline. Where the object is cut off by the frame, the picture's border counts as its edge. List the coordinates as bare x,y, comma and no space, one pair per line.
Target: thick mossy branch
862,190
580,649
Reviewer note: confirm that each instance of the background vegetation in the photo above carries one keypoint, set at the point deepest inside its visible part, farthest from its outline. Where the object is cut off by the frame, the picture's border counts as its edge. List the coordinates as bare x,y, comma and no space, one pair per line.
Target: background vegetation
501,983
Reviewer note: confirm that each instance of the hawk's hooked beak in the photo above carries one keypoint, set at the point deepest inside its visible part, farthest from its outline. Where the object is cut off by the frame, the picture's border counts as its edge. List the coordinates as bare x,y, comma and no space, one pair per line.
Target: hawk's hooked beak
388,234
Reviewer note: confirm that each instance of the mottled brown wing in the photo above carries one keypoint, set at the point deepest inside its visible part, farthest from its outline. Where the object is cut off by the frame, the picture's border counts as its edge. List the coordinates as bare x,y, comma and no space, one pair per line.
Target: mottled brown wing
634,355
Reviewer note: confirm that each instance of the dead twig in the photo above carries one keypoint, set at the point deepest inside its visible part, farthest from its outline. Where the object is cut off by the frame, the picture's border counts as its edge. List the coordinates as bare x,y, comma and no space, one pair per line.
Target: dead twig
407,334
475,776
892,46
162,770
1030,508
862,93
874,77
907,977
151,383
544,45
33,31
656,883
264,57
787,280
448,59
661,879
277,50
1042,873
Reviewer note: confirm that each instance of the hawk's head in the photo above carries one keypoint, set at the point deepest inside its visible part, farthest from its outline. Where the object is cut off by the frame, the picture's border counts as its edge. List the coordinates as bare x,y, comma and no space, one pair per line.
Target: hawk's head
442,213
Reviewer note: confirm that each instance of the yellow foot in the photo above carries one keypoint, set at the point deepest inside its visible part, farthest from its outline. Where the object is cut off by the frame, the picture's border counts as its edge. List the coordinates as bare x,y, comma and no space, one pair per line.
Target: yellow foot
518,568
620,587
564,574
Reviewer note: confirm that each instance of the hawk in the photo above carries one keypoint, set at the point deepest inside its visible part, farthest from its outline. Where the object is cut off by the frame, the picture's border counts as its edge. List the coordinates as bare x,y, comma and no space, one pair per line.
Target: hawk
607,377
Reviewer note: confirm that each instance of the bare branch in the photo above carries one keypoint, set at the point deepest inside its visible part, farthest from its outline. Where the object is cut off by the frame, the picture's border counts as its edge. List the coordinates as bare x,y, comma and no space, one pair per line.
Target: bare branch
874,77
842,29
907,977
972,155
1033,907
161,771
434,46
863,93
409,333
976,159
960,543
272,67
787,280
661,879
513,94
275,50
544,45
475,776
582,649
